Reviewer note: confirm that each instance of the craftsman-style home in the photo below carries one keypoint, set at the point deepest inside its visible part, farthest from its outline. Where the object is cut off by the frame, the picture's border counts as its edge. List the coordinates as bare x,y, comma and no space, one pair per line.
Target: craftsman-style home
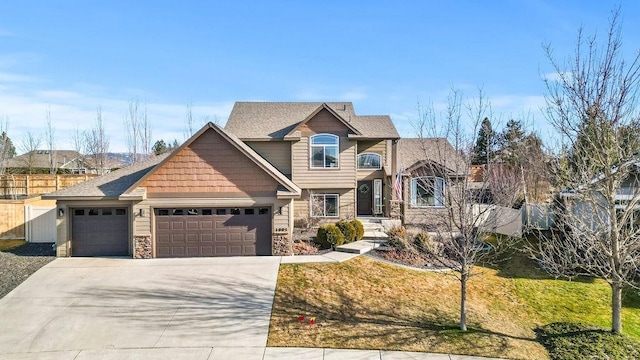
237,190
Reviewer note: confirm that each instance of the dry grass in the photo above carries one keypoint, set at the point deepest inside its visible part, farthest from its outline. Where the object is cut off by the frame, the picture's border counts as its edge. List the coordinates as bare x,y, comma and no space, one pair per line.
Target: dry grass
10,244
367,304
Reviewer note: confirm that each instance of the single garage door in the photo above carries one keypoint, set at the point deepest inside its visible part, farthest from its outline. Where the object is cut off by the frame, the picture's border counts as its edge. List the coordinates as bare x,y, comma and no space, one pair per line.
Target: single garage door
99,232
191,232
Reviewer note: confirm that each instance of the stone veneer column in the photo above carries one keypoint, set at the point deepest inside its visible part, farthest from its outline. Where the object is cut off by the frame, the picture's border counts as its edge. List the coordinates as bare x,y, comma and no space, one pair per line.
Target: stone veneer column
281,245
142,247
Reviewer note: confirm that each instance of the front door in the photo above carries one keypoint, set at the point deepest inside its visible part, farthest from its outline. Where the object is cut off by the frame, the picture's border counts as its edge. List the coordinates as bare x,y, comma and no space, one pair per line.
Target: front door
365,197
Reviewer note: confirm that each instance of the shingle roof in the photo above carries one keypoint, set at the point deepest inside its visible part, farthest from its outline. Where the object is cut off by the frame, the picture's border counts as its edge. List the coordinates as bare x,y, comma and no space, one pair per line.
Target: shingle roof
415,151
122,181
274,120
40,159
110,185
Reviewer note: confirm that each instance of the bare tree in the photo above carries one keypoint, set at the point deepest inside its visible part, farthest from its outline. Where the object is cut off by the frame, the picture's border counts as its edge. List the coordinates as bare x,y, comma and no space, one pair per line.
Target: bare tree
79,141
97,143
138,132
132,127
145,133
188,119
50,134
30,144
443,187
593,103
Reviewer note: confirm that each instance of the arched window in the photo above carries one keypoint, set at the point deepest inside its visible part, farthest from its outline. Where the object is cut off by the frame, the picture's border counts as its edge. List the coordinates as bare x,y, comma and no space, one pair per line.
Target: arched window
369,161
427,191
324,151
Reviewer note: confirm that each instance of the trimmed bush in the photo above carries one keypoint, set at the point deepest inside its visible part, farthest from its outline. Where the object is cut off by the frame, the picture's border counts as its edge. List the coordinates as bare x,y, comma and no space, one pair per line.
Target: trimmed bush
359,228
566,341
422,242
398,238
347,229
329,236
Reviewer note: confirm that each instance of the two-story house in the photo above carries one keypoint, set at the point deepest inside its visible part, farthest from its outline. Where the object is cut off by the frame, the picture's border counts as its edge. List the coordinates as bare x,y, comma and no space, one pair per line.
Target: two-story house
343,162
236,191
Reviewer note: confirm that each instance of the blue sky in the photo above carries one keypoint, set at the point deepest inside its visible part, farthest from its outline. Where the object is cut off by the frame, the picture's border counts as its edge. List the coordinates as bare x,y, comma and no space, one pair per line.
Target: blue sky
71,56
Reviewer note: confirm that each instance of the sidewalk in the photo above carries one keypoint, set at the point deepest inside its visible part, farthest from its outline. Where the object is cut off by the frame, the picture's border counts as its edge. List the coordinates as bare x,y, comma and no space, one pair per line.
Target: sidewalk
232,353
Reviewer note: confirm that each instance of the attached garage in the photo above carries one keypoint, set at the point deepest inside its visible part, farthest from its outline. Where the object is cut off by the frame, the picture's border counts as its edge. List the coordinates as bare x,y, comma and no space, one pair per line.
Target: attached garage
100,231
193,232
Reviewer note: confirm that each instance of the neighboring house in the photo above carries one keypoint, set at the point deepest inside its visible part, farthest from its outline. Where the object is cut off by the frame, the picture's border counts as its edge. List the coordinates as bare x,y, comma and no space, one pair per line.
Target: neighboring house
39,162
427,165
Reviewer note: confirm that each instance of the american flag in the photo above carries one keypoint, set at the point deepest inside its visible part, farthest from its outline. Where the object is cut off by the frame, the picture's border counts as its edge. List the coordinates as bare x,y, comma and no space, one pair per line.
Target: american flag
397,186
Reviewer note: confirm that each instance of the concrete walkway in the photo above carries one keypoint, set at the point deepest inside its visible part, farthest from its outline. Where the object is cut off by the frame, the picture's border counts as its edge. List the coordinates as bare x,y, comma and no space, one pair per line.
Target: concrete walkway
232,353
173,309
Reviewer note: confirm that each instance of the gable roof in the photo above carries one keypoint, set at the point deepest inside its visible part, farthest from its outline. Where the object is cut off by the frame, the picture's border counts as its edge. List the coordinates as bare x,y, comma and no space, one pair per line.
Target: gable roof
274,120
414,152
288,185
40,159
110,185
123,183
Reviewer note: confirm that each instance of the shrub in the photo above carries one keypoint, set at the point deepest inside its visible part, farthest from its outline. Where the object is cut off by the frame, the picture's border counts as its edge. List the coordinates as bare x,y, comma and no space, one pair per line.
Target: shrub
301,223
579,341
359,228
398,238
347,229
304,248
423,243
329,236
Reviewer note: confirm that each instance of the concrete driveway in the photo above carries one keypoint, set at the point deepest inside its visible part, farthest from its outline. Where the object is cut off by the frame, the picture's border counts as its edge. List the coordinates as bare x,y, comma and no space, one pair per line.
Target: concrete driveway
77,308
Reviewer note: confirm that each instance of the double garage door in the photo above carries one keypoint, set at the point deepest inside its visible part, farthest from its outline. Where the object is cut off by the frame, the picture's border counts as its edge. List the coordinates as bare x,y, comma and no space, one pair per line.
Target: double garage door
190,232
179,232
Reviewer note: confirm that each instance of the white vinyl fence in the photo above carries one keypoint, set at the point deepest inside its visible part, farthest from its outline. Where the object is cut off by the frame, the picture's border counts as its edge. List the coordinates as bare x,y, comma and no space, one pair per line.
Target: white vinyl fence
499,219
40,224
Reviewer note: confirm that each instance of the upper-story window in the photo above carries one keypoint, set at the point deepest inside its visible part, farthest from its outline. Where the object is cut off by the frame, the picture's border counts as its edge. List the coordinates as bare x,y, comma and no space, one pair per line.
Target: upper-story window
369,161
324,151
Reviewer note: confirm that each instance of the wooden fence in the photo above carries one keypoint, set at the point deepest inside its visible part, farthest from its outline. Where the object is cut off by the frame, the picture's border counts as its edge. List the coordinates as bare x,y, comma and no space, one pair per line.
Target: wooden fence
21,186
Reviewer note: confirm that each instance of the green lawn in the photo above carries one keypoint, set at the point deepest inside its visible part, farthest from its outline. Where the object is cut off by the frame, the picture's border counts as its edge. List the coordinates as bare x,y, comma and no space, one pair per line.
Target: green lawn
367,304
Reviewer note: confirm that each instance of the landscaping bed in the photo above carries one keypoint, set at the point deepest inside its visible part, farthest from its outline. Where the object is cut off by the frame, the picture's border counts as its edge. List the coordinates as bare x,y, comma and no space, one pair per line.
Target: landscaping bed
17,264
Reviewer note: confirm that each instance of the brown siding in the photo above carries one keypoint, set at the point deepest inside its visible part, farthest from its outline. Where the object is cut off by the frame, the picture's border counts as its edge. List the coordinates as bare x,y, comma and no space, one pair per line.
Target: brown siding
278,153
342,177
210,165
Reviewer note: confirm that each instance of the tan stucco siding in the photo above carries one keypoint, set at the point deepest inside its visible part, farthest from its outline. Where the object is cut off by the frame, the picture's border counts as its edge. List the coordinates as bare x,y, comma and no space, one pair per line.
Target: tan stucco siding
210,165
278,153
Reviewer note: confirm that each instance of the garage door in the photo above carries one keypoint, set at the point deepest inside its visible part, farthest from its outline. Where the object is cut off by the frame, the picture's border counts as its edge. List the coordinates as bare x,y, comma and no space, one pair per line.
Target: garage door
99,232
190,232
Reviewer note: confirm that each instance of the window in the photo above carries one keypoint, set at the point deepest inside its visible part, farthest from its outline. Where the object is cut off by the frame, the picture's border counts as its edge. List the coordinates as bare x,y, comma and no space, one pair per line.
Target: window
249,211
121,212
163,212
324,151
93,212
78,212
324,205
107,212
221,211
369,161
206,211
178,212
235,211
263,211
192,212
427,191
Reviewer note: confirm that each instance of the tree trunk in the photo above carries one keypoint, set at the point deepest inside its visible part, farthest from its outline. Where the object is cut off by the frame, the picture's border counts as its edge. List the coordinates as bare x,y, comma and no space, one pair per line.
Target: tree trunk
463,302
616,307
